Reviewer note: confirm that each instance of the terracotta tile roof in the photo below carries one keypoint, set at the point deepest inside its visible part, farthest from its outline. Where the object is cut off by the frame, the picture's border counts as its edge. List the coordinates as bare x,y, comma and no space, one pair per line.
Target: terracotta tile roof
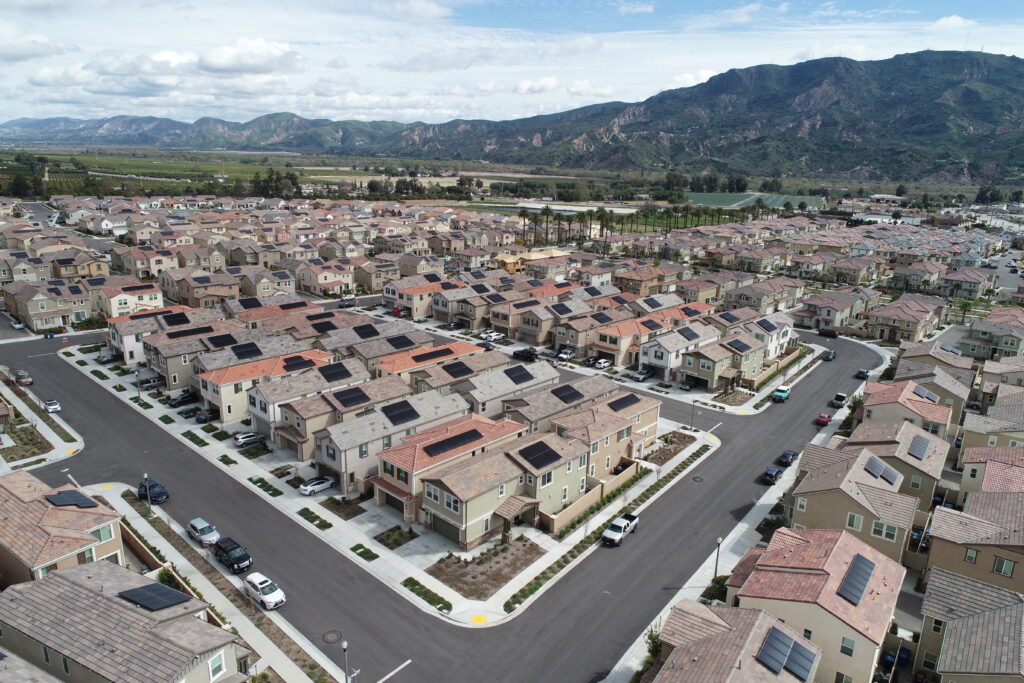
411,454
268,367
405,360
881,393
1001,477
1011,455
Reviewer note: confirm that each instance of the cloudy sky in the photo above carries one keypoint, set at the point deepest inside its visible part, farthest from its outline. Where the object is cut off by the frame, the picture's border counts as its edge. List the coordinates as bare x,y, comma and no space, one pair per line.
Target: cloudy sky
435,60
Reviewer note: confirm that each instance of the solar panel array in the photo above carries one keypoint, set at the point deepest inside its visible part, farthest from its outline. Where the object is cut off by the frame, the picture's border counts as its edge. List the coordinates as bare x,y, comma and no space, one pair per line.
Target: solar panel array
247,350
154,597
652,302
890,475
858,574
561,309
479,289
202,279
767,325
950,349
432,277
324,326
457,369
175,319
779,651
147,314
592,291
925,394
431,355
400,413
71,497
221,340
534,283
450,285
293,363
319,316
738,345
601,317
250,302
651,325
400,341
75,289
293,304
134,288
334,372
688,333
874,466
729,317
620,299
496,298
452,442
624,402
690,311
365,331
567,394
524,304
351,397
919,447
562,285
178,334
518,374
539,455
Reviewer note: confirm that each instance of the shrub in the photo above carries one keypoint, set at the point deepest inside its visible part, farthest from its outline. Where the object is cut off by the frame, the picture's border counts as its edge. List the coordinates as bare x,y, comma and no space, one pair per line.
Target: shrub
262,483
227,460
99,374
166,419
427,595
209,428
195,438
81,362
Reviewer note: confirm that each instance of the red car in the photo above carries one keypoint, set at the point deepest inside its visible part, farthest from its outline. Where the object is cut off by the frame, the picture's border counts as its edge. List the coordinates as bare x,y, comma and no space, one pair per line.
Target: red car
823,419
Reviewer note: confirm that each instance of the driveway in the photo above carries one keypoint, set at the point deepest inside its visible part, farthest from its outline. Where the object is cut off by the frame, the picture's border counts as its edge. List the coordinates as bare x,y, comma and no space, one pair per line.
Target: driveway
575,632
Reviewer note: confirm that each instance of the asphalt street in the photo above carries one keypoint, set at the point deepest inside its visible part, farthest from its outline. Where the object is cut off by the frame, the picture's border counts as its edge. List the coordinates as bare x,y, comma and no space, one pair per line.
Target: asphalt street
575,632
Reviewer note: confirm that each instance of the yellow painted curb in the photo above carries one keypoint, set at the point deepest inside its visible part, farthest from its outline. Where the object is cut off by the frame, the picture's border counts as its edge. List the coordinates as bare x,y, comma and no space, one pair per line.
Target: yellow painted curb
72,451
479,619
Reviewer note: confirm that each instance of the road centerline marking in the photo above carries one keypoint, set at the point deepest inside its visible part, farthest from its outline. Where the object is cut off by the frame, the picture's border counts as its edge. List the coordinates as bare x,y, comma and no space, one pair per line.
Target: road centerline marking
715,427
400,667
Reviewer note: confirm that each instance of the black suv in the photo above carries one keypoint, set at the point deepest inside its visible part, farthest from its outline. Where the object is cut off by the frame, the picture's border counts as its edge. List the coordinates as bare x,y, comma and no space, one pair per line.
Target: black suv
231,555
152,491
828,355
183,400
209,415
528,355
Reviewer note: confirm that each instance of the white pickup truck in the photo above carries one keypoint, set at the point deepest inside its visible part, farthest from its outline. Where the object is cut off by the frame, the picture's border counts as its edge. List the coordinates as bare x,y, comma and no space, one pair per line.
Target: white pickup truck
619,529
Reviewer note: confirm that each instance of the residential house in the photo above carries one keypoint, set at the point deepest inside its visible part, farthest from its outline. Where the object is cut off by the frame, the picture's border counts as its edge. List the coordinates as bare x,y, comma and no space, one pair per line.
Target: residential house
197,288
996,468
405,363
912,317
889,402
665,354
487,391
920,276
443,377
768,296
723,362
371,277
125,333
986,340
620,342
1001,425
123,300
170,351
45,306
967,284
951,385
537,408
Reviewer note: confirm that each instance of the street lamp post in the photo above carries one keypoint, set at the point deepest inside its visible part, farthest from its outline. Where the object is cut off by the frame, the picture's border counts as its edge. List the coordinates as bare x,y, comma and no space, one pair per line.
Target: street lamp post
718,548
138,383
149,493
349,674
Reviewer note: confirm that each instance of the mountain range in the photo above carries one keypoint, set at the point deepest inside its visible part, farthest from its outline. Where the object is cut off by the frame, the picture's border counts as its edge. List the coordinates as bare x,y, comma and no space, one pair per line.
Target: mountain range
942,116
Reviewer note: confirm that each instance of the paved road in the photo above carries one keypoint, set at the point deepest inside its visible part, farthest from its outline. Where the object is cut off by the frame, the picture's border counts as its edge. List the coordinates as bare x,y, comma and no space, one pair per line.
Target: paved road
575,632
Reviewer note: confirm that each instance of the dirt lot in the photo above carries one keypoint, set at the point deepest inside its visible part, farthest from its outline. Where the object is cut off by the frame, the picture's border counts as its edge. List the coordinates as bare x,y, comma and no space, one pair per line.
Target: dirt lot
734,398
668,451
480,578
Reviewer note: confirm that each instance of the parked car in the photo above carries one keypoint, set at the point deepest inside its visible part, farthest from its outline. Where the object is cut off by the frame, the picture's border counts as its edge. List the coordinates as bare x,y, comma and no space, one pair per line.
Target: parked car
202,531
781,393
824,332
152,383
488,335
771,475
317,485
620,527
23,378
973,405
862,374
247,438
107,357
496,337
828,355
591,361
454,325
152,491
231,555
208,415
183,399
688,385
838,401
51,406
602,363
527,355
346,304
17,325
787,458
566,354
823,419
348,297
486,345
396,312
641,375
264,591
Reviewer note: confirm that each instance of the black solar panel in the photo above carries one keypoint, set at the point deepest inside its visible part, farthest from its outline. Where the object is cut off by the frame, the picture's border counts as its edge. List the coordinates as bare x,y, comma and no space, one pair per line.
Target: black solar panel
592,291
71,497
154,597
624,402
856,580
506,280
690,311
334,372
890,475
736,344
477,274
562,285
518,374
950,349
173,319
688,333
561,309
874,466
351,397
147,314
320,316
925,394
452,285
767,325
919,447
457,369
249,302
293,304
221,340
651,325
365,331
202,279
452,442
96,281
324,326
567,394
479,289
619,299
779,651
431,355
496,298
602,317
178,334
432,277
297,363
539,455
400,342
75,289
400,413
534,283
524,304
652,302
136,288
247,350
729,317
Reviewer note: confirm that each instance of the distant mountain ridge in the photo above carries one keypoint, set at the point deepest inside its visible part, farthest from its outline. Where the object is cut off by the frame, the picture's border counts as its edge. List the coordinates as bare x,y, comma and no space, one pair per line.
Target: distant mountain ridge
944,116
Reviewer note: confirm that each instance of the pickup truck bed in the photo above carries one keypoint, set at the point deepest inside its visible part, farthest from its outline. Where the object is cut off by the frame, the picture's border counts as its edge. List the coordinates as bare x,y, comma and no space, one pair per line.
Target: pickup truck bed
620,527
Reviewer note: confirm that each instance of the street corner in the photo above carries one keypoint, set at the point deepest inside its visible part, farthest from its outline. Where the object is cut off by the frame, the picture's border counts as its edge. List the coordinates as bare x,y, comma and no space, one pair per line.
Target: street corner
477,615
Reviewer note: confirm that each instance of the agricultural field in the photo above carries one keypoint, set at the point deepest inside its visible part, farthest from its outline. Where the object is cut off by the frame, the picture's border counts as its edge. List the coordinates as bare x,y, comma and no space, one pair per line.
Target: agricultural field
725,200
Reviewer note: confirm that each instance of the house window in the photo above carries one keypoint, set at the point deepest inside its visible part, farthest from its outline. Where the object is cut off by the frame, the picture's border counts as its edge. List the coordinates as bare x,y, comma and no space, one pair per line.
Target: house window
431,492
992,440
389,469
915,481
854,521
387,441
930,661
452,503
843,678
487,523
529,479
974,473
64,663
545,479
217,665
867,414
846,647
582,462
501,490
403,476
102,534
364,450
971,555
46,654
331,453
583,484
883,530
1003,566
807,633
522,478
568,467
565,493
937,625
608,462
594,447
593,469
801,504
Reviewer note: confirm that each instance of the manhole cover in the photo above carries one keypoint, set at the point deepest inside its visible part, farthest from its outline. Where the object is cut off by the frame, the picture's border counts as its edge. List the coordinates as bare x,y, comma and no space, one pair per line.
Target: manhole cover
698,479
332,637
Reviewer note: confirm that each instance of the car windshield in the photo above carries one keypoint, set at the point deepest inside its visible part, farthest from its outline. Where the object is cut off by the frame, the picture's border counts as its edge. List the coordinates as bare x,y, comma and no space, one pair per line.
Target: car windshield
268,588
156,489
316,482
237,552
205,529
616,528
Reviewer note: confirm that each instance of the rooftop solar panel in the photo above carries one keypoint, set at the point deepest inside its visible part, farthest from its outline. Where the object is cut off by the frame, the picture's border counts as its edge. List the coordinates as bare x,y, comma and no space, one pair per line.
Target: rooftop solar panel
950,349
651,325
299,364
562,285
620,299
651,302
478,275
324,326
334,372
800,662
452,285
221,340
767,325
890,475
479,289
247,350
690,311
624,402
925,394
431,355
432,277
874,466
518,374
136,288
729,317
496,298
178,334
688,333
400,413
400,341
351,397
147,314
75,289
539,455
320,316
601,317
506,280
452,442
524,304
71,497
202,279
250,302
534,283
779,651
173,319
592,291
737,345
365,331
154,597
457,369
856,580
561,309
96,281
567,394
919,447
293,304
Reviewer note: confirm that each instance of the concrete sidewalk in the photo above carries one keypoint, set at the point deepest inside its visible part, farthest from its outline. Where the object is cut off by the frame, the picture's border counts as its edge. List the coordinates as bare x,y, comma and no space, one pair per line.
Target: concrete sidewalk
61,448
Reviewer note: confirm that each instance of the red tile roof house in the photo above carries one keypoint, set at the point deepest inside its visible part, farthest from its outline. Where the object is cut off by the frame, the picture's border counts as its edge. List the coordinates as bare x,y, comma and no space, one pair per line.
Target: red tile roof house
907,400
836,590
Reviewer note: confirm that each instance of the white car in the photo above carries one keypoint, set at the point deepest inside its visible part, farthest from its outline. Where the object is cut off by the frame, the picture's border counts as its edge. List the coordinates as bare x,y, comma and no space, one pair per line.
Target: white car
348,297
202,531
487,334
51,406
261,589
602,363
496,336
15,325
316,485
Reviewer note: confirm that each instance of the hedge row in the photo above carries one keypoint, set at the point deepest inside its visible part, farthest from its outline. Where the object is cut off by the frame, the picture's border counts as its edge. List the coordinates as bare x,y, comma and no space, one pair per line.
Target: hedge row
428,595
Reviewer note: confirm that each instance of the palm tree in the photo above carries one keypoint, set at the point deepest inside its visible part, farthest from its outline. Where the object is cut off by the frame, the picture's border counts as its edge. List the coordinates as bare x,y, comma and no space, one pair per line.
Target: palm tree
547,213
964,306
525,215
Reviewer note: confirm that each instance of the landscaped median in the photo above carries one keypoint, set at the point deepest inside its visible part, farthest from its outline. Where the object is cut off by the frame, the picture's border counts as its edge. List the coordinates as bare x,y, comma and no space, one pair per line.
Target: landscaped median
428,595
262,483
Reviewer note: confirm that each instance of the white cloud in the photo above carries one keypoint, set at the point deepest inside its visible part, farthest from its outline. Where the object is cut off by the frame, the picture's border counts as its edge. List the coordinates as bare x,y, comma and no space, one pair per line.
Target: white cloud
338,62
818,50
249,56
690,79
752,12
17,45
528,87
952,22
585,88
60,77
414,9
626,8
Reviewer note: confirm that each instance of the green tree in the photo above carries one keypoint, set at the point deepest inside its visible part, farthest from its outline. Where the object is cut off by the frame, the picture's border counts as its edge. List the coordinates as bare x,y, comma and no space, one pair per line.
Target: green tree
901,190
20,186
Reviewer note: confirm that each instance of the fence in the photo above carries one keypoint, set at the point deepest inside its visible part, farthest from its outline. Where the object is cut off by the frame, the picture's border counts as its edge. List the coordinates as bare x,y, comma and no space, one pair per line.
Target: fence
555,523
783,362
